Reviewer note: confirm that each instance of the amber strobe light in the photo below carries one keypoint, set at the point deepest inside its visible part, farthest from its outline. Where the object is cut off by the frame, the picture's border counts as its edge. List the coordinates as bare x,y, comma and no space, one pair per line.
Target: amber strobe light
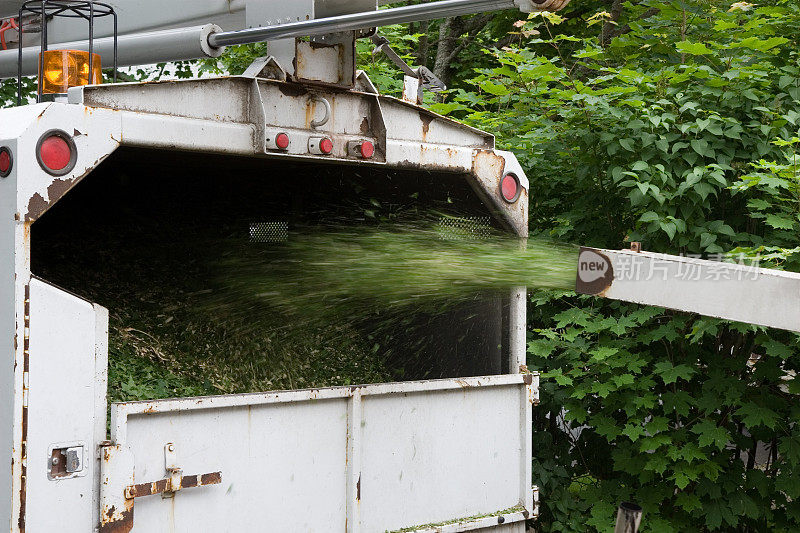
62,69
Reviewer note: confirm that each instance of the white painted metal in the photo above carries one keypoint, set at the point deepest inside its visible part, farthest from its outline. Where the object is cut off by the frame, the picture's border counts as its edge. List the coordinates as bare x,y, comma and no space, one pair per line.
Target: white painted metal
271,13
237,116
334,8
517,329
12,255
24,411
116,474
371,458
66,406
723,290
100,402
96,136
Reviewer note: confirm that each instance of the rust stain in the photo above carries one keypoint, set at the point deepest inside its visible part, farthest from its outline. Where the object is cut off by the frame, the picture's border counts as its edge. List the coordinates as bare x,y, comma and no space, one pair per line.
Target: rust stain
532,398
426,123
528,379
488,165
211,479
24,445
164,485
59,188
189,482
311,112
365,129
291,89
317,46
36,206
114,521
59,468
358,489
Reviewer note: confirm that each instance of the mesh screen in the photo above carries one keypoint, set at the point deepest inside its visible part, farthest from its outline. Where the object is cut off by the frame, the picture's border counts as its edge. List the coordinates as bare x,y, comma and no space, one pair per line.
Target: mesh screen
269,232
465,228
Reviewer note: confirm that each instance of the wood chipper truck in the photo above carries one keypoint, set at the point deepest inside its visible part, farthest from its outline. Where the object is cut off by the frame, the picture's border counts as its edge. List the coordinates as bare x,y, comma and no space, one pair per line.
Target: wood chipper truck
262,152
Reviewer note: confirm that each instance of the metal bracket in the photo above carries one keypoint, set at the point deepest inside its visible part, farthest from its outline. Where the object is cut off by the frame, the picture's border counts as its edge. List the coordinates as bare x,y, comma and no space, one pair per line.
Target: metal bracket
175,482
326,105
416,80
266,67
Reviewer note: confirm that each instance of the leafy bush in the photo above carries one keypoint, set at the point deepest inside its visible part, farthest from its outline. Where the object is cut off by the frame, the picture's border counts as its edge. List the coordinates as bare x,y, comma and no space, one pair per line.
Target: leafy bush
682,133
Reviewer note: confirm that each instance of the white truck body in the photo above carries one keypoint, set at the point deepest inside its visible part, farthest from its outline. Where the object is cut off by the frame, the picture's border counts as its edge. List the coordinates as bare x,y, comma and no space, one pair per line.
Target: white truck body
440,455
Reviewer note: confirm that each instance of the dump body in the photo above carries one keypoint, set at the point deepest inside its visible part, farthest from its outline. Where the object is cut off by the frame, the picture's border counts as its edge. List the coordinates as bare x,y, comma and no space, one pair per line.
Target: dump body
449,454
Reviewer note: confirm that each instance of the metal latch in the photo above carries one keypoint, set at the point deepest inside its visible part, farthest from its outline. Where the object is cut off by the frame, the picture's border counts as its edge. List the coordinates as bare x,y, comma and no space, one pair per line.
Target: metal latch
175,481
66,461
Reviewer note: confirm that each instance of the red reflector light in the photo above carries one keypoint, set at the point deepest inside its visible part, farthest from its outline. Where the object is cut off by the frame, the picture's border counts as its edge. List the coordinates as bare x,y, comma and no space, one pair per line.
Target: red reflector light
282,141
510,188
326,146
367,149
56,153
5,162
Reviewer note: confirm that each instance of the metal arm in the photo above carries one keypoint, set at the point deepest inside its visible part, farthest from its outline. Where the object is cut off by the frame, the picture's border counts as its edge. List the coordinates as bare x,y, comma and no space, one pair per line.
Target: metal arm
731,291
382,17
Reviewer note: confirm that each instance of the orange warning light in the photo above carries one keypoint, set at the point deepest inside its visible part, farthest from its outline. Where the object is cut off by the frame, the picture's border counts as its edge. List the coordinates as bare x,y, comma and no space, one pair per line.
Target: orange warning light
62,69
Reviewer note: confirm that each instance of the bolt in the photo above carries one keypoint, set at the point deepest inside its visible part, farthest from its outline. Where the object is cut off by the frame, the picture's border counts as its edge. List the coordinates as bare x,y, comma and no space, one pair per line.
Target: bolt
501,519
171,447
54,461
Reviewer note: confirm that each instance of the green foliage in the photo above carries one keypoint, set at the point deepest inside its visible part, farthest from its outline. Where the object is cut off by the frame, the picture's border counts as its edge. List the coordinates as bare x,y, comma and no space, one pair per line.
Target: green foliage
681,133
132,377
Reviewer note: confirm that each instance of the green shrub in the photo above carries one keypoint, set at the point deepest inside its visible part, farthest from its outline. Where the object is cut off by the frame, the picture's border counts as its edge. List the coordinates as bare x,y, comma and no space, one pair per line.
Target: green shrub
681,133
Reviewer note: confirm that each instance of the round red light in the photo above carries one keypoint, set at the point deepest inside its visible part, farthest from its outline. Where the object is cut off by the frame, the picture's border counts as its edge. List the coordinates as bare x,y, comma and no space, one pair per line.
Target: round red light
282,141
5,162
55,153
367,149
510,188
326,146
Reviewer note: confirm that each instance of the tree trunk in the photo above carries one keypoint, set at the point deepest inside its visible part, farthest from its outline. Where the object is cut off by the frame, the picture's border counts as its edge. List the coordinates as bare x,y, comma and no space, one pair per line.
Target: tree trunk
610,25
449,32
424,44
